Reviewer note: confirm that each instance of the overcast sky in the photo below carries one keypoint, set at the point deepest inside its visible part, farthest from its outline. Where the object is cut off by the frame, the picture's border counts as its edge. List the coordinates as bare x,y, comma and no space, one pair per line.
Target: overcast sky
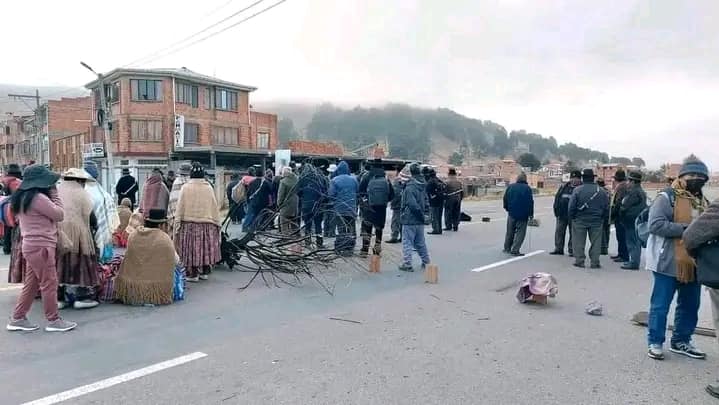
629,77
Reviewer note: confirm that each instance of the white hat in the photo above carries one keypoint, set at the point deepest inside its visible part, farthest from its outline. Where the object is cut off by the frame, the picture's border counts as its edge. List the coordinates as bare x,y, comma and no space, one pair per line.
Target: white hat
77,173
332,168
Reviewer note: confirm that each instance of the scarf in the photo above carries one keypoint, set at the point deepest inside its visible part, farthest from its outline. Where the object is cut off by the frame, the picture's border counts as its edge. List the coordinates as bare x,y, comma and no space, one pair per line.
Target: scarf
685,203
147,271
154,195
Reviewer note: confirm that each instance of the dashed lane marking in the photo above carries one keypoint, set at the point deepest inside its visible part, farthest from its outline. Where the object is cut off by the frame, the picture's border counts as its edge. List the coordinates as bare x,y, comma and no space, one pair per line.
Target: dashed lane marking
109,382
503,262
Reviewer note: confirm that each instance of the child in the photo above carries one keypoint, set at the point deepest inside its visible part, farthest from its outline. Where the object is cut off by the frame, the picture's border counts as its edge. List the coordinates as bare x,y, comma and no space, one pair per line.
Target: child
37,205
119,237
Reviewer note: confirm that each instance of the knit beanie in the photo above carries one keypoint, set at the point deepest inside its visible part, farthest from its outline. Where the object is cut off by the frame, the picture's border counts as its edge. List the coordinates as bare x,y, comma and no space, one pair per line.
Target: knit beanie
692,165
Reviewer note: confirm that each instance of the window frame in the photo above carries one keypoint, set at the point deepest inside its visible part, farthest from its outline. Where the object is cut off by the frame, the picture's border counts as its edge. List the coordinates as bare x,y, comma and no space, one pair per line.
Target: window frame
226,99
265,136
135,90
227,133
135,138
182,89
197,133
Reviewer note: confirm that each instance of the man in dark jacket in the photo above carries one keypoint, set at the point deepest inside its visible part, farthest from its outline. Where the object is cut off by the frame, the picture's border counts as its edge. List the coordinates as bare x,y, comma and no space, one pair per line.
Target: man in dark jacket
396,205
377,192
606,226
519,204
312,188
561,212
414,205
435,192
454,193
620,190
234,210
258,199
588,208
633,203
126,188
329,227
343,193
10,183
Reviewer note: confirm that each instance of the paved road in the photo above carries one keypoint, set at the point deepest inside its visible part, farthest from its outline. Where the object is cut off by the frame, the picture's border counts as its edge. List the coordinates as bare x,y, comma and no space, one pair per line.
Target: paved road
464,340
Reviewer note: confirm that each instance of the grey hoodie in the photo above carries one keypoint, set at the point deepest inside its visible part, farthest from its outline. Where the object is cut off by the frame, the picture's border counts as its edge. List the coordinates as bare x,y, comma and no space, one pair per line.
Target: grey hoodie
663,231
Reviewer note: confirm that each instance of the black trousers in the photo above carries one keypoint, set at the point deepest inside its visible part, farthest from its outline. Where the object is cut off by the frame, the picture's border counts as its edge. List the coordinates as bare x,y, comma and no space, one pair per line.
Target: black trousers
436,214
516,232
621,234
367,228
7,240
560,235
452,210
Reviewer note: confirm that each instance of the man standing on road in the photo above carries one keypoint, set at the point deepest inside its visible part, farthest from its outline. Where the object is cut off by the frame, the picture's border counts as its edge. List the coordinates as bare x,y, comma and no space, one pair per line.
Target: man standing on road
453,201
606,227
674,270
620,190
396,204
234,211
343,193
414,205
561,212
588,208
435,192
632,205
378,192
126,187
519,204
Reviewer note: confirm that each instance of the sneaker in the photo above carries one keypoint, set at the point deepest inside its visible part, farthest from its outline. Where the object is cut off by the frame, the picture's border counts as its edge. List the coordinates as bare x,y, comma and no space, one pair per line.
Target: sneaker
595,266
556,253
23,325
85,304
406,267
516,254
203,277
192,279
687,349
60,325
713,390
655,352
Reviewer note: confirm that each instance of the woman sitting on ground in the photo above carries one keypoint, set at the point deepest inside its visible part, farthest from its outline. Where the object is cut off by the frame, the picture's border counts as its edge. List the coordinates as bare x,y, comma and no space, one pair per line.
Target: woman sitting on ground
147,271
124,212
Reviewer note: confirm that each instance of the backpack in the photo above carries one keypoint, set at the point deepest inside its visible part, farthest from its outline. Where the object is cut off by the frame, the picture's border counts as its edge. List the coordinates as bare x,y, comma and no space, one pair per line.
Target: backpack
378,191
642,222
7,217
239,192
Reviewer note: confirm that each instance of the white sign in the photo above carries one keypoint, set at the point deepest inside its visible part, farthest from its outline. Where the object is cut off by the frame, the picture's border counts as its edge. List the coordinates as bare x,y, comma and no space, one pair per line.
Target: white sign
93,150
179,131
282,159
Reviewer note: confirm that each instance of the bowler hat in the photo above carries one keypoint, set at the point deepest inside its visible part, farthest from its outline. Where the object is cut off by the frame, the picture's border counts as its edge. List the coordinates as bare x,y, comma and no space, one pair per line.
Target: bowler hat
157,216
38,176
575,174
636,176
125,171
620,175
13,169
588,174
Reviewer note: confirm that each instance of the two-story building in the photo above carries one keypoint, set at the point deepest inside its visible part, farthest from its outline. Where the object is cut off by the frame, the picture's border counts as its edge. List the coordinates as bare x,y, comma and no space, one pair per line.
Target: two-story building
161,115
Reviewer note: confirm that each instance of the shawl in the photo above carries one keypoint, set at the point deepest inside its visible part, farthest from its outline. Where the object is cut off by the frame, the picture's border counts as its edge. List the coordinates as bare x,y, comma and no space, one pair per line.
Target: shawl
684,206
155,195
106,213
197,203
77,207
148,269
124,213
175,197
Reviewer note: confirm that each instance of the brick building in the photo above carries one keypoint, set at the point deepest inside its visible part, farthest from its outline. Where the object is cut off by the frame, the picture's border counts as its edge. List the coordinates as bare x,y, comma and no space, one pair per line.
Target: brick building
69,125
214,118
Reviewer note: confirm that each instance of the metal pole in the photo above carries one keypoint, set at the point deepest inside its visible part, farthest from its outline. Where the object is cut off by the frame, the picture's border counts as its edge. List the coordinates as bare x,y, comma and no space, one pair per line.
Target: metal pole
106,131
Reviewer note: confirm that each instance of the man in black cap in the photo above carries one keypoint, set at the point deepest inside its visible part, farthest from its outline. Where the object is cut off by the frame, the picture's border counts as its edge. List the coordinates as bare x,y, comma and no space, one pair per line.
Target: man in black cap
561,212
588,208
620,190
126,187
435,192
606,227
453,201
633,203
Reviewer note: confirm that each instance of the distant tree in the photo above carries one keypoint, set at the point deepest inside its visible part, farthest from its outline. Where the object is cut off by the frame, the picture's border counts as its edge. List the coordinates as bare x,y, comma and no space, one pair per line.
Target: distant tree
287,131
639,162
624,161
654,176
456,159
570,166
529,160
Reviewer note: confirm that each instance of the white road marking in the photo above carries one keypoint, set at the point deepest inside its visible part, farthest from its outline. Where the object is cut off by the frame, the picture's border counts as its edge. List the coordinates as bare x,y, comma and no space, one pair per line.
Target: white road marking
503,262
102,384
10,288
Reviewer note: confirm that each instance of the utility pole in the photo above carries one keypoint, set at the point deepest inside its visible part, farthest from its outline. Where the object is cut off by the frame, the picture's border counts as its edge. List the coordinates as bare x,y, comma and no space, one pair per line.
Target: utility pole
38,142
103,117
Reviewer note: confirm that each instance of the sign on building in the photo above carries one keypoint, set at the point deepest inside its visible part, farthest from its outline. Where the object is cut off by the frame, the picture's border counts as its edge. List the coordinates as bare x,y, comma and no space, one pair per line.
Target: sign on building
93,150
282,159
179,131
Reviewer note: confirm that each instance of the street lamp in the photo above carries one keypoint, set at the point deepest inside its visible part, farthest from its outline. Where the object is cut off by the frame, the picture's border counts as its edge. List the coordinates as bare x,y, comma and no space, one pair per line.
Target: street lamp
103,118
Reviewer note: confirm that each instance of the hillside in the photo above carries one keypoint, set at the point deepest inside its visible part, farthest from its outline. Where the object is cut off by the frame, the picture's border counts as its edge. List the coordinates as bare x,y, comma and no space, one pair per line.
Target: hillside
424,134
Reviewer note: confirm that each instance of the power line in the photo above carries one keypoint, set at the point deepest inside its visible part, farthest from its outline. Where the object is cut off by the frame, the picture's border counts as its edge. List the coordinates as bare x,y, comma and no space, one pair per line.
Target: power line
209,27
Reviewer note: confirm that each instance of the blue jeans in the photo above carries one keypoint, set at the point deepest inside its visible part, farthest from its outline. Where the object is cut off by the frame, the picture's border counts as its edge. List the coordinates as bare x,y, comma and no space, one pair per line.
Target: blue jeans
413,238
312,218
685,315
249,221
634,246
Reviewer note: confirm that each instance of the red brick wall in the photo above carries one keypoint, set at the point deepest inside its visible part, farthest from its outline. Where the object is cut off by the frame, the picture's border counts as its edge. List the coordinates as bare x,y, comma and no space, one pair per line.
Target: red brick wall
69,115
263,122
66,151
316,148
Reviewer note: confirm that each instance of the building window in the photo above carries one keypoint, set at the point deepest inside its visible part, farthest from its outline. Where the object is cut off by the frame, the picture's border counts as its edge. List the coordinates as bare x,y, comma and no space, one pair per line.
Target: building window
192,133
225,136
113,130
142,130
263,140
112,92
186,94
226,100
207,102
146,90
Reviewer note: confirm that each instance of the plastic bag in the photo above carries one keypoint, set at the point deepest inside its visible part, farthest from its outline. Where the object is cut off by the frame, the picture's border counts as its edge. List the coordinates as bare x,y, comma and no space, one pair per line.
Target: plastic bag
178,290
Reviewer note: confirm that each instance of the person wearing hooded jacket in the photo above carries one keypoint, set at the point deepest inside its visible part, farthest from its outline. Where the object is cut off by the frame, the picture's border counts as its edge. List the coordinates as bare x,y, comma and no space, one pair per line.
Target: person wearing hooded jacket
674,270
414,206
343,193
312,189
519,204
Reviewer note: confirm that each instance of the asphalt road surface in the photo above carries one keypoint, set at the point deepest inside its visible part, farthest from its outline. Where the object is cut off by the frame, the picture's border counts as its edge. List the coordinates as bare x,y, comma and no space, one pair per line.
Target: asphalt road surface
465,340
